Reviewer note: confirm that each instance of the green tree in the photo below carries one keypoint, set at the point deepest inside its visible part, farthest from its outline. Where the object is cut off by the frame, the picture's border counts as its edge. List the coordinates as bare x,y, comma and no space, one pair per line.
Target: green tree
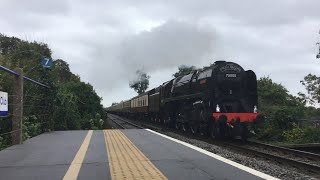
274,96
61,71
141,84
280,108
184,70
312,84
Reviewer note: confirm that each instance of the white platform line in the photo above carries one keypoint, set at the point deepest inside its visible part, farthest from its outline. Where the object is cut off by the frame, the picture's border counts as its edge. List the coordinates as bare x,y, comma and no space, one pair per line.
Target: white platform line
220,158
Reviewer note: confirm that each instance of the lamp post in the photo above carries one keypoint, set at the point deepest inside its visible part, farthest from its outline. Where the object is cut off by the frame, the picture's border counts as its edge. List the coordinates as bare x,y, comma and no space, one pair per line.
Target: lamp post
318,55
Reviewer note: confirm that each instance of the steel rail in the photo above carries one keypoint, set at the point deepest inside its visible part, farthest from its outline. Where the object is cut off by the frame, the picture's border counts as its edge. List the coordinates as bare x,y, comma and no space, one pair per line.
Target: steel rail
121,119
118,124
311,168
303,154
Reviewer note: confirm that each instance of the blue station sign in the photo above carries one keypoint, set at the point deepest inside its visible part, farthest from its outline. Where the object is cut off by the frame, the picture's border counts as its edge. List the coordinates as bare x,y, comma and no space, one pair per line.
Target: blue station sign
3,104
47,63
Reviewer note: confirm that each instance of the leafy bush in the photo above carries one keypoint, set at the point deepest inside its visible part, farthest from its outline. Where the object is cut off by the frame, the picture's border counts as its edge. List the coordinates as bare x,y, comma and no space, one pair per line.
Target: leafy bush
296,134
5,141
299,135
269,133
283,118
312,135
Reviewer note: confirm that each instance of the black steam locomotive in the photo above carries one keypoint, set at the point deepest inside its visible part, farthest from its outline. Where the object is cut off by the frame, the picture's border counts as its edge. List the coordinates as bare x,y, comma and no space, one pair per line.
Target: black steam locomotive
220,100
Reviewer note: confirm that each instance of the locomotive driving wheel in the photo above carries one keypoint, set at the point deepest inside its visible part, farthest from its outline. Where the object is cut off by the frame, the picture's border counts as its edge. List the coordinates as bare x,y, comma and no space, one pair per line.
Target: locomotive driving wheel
184,127
177,125
204,120
217,130
212,130
194,127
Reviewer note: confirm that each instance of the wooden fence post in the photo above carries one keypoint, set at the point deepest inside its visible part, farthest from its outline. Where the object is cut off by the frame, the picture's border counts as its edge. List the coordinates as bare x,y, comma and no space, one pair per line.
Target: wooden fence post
17,108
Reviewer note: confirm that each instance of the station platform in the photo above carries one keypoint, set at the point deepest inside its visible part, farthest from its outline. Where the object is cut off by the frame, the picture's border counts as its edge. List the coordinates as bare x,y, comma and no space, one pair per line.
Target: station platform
116,154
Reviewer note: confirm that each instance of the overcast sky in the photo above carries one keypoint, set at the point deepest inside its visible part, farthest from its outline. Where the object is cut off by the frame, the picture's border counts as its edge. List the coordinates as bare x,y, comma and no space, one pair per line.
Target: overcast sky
105,42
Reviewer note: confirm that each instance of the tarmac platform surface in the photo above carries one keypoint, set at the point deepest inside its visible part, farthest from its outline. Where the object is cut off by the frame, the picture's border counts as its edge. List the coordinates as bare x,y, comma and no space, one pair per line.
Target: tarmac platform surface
116,154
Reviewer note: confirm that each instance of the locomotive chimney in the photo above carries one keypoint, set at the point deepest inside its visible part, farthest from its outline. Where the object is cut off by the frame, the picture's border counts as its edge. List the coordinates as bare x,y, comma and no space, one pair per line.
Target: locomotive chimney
220,62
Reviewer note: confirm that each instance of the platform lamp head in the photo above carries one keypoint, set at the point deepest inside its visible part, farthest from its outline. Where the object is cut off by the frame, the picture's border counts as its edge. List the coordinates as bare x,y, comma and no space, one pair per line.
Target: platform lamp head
318,55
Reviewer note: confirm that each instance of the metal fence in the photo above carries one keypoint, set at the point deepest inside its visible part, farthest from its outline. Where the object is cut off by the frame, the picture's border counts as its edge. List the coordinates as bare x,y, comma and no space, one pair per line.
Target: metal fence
23,112
315,123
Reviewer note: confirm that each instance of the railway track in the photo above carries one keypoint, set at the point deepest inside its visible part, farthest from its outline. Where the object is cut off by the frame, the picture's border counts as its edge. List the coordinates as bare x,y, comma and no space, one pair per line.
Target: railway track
303,156
124,124
311,147
306,161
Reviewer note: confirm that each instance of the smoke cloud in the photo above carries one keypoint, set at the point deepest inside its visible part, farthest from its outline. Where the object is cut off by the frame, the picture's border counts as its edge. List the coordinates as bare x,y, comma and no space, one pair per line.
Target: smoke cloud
167,46
172,44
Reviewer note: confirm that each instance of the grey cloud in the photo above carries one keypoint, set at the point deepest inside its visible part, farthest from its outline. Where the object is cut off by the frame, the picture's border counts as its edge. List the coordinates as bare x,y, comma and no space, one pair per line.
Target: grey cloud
35,7
253,13
31,15
172,44
164,47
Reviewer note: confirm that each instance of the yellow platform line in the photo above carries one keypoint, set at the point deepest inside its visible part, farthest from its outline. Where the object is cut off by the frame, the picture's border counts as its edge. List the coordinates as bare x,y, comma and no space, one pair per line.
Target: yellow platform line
75,166
126,161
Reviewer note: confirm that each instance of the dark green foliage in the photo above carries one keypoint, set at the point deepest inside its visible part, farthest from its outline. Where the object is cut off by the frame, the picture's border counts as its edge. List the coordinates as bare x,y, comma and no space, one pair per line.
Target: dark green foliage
282,111
298,135
68,104
279,107
141,84
268,133
311,135
312,113
272,95
312,84
184,70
